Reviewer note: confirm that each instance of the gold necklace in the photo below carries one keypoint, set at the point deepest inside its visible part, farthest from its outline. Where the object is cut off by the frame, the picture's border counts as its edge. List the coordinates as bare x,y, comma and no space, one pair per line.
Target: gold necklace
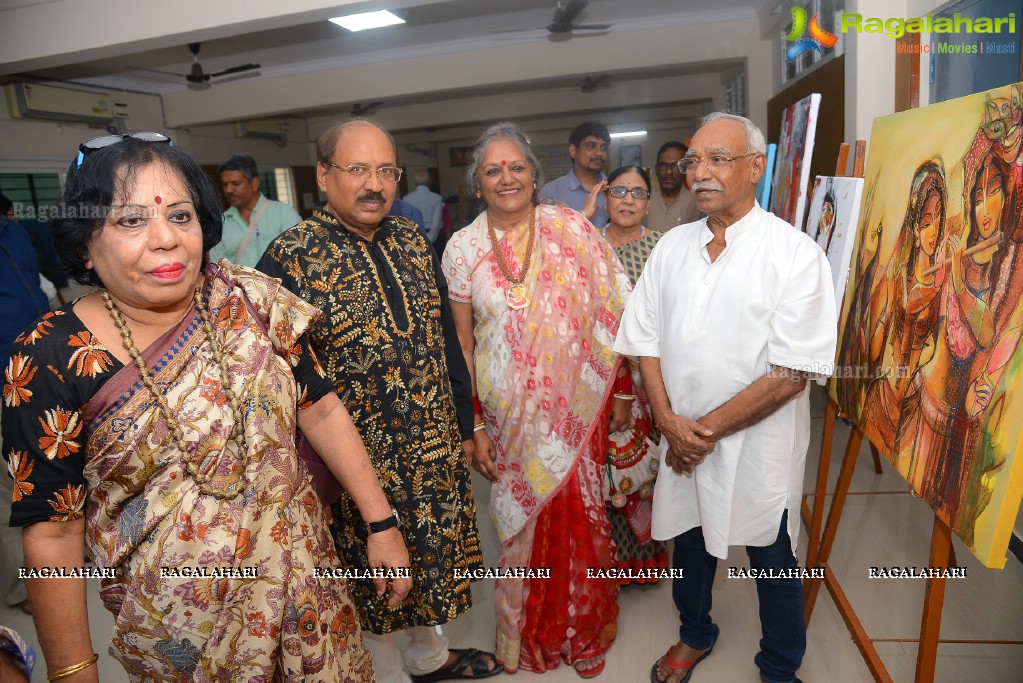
204,473
516,296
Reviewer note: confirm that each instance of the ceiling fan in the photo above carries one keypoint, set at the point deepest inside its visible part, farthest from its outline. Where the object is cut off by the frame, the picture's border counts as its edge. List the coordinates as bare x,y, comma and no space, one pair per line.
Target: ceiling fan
360,110
196,77
563,25
594,83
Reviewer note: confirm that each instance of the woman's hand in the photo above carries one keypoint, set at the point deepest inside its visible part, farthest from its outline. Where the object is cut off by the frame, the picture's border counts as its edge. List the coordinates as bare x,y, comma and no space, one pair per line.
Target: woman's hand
621,416
590,206
484,455
386,549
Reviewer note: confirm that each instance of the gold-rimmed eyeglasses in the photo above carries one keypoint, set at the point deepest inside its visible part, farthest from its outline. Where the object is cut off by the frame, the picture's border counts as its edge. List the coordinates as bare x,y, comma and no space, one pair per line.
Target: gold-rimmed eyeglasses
715,162
391,174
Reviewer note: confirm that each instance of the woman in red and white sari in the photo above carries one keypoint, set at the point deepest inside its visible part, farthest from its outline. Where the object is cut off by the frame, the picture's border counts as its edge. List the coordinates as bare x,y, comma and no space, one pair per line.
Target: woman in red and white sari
536,295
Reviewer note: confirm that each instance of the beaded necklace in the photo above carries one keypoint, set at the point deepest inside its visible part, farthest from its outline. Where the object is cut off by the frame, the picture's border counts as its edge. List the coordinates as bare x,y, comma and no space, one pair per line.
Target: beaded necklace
204,474
516,296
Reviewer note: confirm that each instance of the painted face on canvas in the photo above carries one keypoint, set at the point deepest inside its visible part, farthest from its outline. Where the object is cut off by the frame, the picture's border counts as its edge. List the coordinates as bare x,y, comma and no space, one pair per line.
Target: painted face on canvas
930,224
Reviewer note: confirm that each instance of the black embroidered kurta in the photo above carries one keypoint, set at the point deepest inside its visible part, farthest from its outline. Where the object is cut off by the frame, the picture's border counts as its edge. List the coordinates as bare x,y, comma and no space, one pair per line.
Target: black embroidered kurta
387,341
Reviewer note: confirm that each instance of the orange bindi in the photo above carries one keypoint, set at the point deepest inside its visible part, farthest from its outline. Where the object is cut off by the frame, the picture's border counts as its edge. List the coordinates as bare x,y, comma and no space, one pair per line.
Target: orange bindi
159,199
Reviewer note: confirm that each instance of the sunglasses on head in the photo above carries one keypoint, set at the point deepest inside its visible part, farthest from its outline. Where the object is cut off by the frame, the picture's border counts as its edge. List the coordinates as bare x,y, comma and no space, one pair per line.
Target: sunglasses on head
92,144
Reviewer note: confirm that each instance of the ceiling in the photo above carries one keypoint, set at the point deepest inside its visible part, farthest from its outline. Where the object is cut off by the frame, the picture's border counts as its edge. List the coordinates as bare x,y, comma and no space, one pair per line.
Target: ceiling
454,62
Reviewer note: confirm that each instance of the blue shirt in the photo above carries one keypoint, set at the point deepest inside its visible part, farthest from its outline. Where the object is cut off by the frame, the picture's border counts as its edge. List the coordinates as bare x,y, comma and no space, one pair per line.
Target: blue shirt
275,219
21,298
568,190
403,209
430,203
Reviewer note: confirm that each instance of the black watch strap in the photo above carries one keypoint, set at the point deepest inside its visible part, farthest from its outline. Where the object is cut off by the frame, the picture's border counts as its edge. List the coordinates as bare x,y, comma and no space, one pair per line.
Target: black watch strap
384,524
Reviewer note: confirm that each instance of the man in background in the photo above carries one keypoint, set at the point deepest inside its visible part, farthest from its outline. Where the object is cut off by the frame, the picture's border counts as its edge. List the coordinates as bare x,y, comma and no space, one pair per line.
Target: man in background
429,203
587,145
252,221
671,203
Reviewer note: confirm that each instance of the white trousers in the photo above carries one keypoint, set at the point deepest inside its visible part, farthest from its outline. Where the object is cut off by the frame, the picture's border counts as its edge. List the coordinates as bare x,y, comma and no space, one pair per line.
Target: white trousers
427,652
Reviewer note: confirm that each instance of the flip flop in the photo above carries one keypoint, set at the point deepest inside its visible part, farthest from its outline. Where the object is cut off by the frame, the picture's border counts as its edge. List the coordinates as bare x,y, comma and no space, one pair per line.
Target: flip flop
678,664
472,658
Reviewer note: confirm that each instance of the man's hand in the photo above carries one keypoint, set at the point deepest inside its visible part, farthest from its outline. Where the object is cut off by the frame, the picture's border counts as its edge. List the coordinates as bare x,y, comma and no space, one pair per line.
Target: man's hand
689,442
590,206
386,549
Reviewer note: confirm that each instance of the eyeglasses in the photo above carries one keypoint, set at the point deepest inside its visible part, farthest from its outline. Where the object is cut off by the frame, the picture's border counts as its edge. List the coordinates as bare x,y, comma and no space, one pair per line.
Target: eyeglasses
718,162
92,144
391,174
619,192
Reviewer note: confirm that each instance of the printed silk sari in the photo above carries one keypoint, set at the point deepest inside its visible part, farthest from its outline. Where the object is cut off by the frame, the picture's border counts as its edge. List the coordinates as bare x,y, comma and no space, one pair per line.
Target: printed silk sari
544,377
144,518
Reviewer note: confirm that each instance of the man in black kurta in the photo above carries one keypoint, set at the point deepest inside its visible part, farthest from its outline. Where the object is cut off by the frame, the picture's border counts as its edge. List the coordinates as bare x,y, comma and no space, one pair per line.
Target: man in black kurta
387,340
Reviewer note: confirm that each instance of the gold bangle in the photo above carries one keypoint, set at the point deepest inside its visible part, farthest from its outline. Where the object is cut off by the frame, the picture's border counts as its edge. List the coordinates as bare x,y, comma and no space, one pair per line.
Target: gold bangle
480,427
626,397
73,669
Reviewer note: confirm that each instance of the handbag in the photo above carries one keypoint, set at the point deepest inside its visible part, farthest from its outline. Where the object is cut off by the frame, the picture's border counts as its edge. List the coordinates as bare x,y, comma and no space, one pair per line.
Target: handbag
631,462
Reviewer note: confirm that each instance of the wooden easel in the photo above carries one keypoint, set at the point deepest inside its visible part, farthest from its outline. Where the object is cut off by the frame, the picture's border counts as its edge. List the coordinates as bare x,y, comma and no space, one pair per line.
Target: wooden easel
819,546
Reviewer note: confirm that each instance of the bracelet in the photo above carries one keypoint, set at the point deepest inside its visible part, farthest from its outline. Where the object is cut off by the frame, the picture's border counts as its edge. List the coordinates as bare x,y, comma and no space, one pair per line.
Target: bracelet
73,669
477,407
626,397
479,428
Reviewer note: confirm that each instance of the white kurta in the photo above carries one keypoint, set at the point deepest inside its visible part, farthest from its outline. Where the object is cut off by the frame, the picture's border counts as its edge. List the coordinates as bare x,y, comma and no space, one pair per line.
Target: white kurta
768,299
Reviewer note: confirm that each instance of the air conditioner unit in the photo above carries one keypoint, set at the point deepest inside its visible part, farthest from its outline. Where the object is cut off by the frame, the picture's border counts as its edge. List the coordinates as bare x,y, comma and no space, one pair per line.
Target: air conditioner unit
35,101
266,129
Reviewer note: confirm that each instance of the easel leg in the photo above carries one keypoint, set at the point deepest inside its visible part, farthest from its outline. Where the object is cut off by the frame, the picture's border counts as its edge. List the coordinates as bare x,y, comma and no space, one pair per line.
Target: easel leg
813,541
852,449
934,599
877,458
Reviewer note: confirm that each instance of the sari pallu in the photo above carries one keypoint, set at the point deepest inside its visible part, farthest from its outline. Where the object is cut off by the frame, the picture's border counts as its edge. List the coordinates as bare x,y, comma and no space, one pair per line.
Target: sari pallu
544,377
149,517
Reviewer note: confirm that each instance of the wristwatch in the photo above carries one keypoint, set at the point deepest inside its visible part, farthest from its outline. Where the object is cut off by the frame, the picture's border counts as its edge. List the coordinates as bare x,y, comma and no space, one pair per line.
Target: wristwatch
384,524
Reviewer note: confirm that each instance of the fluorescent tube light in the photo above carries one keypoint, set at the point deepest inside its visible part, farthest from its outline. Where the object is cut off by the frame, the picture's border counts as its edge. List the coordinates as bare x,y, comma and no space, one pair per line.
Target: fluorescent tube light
628,134
361,22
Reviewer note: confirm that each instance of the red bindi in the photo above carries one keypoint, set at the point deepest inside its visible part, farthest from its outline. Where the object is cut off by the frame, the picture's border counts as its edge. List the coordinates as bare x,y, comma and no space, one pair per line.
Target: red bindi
503,162
159,199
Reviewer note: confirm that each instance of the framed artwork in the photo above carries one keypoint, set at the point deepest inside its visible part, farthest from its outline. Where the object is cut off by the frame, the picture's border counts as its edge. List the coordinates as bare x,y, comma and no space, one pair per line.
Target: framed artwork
792,166
929,362
831,221
630,155
459,156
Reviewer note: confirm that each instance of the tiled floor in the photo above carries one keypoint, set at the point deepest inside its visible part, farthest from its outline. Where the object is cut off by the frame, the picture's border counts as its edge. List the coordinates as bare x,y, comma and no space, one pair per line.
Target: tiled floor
882,526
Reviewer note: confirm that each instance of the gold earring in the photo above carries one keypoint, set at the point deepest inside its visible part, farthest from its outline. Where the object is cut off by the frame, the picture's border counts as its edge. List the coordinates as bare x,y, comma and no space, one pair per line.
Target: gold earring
479,195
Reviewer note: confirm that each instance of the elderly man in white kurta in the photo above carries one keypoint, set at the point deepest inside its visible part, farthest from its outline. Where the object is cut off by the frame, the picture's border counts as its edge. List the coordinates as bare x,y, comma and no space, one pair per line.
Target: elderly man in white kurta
731,315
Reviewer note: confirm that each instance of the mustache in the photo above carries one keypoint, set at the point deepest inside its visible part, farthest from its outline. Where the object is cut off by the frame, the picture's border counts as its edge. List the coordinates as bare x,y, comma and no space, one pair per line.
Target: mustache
371,196
706,185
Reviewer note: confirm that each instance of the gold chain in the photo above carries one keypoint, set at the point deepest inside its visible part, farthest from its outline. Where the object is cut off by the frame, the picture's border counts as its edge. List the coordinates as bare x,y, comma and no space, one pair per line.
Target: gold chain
499,253
238,429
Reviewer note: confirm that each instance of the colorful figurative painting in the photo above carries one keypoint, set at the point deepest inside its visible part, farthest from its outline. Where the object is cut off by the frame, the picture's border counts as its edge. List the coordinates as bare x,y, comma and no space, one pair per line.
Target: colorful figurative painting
831,221
929,362
792,166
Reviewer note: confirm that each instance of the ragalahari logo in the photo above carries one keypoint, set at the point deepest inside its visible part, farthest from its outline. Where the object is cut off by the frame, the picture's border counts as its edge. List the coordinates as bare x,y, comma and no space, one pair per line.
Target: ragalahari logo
818,40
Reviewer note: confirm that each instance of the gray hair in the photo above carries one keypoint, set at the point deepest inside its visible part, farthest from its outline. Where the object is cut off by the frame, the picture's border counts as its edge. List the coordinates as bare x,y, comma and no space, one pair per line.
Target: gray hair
754,137
502,131
327,142
422,176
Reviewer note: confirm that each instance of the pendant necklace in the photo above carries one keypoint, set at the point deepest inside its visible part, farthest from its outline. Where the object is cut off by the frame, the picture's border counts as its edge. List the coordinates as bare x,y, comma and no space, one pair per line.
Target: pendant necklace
516,296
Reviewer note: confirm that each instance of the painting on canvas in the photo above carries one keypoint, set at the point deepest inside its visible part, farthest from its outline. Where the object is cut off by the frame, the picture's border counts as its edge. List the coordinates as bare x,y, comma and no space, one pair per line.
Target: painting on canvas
930,362
792,165
831,221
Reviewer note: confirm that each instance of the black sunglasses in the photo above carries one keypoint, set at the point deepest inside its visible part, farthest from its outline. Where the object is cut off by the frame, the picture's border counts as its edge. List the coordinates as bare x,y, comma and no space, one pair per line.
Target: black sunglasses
92,144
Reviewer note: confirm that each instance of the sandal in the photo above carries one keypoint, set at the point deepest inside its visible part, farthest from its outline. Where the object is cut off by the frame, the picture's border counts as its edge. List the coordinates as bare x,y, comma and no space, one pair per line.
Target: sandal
592,672
475,660
678,664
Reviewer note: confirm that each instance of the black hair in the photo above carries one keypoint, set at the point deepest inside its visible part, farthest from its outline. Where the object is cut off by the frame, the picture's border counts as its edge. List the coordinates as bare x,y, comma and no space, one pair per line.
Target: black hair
5,204
108,174
672,144
622,170
585,130
243,163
